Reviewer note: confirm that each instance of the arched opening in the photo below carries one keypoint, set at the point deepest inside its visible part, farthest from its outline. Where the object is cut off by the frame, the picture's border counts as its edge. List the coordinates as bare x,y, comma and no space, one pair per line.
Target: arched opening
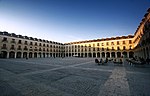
69,54
131,54
3,54
66,54
85,54
118,54
78,54
47,54
24,54
81,54
18,55
54,55
30,55
44,55
35,55
11,54
40,55
94,54
108,55
124,54
98,54
90,55
103,55
50,54
113,55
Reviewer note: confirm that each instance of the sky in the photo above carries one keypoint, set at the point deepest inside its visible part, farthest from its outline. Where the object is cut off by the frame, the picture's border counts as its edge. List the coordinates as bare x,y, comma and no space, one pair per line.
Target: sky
72,20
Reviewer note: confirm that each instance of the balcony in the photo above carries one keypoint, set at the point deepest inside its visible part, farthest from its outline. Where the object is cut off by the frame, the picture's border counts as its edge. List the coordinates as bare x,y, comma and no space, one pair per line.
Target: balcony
13,41
35,49
30,49
25,49
3,47
12,48
19,48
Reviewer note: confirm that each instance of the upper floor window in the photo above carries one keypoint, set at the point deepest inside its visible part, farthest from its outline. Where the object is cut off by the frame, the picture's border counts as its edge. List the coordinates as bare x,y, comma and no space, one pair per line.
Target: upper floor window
35,43
117,42
124,42
130,41
31,43
4,39
26,43
4,46
118,48
107,43
44,45
19,42
93,45
124,47
13,41
97,44
102,44
112,43
112,48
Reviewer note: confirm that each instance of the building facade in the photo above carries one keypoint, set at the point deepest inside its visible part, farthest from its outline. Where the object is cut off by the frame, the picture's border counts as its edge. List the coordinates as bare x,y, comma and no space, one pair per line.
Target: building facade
18,46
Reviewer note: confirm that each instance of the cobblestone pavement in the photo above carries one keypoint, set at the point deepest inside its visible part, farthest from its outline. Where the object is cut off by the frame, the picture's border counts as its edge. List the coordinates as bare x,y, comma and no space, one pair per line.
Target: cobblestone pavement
71,77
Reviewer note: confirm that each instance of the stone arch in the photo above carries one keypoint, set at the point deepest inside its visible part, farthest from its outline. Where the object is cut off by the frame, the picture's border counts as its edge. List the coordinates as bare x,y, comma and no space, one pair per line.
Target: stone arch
94,54
18,55
103,54
113,55
108,55
125,54
3,54
98,54
30,55
12,54
35,55
118,54
131,54
24,54
89,54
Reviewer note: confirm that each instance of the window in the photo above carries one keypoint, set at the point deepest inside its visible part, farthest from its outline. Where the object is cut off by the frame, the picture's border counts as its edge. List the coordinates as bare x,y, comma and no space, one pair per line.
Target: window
26,43
118,48
97,49
30,43
97,44
19,42
4,46
35,43
124,42
13,41
117,42
130,42
112,48
89,45
102,49
93,45
40,44
12,47
112,43
44,45
124,47
102,44
93,49
107,49
4,39
107,43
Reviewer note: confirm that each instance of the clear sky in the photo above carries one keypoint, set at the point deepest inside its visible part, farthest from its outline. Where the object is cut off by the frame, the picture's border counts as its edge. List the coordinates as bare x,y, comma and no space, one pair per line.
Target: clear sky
71,20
